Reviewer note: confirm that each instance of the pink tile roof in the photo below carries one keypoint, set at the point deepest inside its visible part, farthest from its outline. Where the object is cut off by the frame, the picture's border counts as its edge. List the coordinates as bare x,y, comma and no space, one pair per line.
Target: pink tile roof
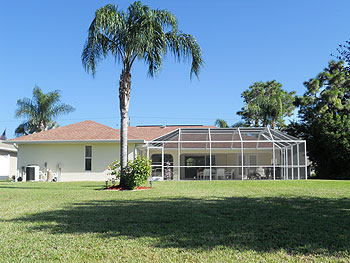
93,131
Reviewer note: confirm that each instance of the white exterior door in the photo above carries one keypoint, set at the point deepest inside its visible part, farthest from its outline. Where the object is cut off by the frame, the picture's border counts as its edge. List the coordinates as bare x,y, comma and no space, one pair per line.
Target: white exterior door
4,167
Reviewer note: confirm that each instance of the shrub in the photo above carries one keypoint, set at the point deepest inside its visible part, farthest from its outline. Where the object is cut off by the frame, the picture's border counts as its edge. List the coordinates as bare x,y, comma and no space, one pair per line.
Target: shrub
137,172
114,169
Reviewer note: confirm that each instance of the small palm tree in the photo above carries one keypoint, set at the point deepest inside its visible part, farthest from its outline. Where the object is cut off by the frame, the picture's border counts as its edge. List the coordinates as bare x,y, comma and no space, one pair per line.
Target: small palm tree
140,33
221,123
271,109
40,111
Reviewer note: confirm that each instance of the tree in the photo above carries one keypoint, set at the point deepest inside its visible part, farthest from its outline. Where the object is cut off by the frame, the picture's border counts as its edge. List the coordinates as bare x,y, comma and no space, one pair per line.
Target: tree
40,111
267,104
140,33
324,112
221,123
240,124
344,53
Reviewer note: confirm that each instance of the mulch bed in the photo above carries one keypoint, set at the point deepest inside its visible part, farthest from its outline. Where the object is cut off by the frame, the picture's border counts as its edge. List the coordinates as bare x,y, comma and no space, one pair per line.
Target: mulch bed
119,188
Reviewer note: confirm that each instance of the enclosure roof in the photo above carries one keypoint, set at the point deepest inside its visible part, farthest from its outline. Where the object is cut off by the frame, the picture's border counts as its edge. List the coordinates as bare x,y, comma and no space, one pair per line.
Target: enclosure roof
247,137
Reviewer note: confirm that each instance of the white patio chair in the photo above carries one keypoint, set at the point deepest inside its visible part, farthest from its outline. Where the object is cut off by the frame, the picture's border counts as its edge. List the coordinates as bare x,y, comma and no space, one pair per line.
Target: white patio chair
206,174
220,174
260,173
199,175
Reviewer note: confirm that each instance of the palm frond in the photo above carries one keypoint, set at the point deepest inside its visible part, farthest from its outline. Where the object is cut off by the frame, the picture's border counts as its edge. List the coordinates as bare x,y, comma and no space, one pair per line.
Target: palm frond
141,33
185,46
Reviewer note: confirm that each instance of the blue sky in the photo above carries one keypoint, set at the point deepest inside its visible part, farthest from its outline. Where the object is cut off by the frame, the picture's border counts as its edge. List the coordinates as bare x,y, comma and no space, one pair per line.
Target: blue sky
242,42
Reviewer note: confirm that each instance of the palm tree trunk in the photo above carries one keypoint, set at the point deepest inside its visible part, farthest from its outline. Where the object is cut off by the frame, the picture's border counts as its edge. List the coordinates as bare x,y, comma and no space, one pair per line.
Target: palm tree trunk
256,122
273,124
41,126
265,122
124,99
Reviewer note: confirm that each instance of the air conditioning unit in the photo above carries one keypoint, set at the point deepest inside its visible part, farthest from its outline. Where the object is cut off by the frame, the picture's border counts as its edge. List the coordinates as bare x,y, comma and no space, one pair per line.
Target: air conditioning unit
32,173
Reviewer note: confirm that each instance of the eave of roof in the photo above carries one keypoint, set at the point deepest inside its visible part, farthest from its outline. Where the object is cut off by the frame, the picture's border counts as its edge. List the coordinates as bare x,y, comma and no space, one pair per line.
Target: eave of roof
72,141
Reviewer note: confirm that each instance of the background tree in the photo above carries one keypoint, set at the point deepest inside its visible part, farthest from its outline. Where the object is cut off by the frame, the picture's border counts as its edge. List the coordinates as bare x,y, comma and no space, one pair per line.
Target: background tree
344,53
40,111
267,104
240,124
140,33
221,123
325,121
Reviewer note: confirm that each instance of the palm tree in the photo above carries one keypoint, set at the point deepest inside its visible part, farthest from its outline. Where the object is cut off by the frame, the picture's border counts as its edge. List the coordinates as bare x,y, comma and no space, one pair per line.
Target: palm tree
240,124
140,33
271,109
221,123
40,111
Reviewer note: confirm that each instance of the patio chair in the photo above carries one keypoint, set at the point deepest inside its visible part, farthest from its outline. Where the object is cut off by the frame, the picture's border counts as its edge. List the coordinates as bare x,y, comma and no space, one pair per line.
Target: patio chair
206,174
260,173
252,174
199,175
220,174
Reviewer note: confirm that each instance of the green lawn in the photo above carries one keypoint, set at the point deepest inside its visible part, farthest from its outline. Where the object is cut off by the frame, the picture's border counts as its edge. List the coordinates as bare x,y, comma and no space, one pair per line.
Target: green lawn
256,221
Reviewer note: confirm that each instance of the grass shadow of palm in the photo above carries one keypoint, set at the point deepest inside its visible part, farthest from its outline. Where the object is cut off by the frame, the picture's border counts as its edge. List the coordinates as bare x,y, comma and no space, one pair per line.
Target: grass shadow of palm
297,225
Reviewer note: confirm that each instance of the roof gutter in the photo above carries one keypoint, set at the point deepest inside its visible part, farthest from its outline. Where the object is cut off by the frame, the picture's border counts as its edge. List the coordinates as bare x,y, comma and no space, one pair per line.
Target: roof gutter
75,141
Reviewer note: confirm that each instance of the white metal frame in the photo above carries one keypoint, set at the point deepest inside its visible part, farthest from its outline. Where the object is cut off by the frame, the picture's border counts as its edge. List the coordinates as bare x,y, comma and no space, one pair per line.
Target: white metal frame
279,140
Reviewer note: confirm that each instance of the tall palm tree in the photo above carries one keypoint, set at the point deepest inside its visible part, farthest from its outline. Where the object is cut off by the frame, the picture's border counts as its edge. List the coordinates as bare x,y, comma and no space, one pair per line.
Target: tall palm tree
40,111
140,33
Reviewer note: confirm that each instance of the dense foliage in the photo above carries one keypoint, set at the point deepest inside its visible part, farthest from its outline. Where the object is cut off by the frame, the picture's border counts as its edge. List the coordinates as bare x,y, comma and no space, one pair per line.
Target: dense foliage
136,173
40,111
143,34
325,121
266,103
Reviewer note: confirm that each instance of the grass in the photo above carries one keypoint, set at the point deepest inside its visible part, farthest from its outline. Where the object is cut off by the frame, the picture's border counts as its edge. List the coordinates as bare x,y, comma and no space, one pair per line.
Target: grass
257,221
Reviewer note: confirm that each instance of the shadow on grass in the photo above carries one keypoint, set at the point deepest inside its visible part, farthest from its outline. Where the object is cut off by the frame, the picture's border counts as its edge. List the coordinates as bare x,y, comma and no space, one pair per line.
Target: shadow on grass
297,225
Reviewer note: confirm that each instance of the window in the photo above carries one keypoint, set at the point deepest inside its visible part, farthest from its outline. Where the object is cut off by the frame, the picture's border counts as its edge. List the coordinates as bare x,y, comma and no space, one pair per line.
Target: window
88,158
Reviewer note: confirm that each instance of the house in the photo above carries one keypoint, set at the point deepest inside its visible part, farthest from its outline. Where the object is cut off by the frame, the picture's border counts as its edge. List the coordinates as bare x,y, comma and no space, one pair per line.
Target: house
8,161
82,152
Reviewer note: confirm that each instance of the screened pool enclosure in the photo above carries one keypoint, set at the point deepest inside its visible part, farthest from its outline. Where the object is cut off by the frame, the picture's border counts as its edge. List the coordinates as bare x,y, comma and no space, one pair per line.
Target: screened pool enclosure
227,154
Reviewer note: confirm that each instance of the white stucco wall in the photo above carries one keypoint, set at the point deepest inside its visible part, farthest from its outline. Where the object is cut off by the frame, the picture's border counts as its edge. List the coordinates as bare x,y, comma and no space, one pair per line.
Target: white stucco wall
71,157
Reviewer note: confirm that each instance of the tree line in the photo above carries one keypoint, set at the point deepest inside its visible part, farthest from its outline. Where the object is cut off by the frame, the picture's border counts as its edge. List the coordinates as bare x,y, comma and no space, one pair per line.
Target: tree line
323,114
